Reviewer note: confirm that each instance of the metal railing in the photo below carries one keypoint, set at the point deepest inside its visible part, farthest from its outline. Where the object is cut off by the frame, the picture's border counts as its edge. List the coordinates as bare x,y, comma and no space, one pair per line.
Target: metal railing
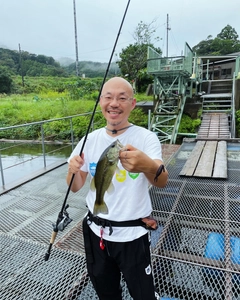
233,121
43,140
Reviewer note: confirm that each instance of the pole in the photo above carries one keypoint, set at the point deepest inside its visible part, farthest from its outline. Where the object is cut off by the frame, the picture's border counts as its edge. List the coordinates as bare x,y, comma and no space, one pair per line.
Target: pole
75,31
63,218
168,28
20,63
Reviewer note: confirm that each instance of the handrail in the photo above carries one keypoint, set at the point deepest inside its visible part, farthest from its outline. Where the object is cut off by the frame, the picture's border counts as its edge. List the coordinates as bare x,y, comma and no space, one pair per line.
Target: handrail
233,125
45,121
43,154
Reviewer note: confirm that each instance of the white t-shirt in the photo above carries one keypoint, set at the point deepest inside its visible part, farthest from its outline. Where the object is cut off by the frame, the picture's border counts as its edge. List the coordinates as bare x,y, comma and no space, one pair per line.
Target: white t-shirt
130,199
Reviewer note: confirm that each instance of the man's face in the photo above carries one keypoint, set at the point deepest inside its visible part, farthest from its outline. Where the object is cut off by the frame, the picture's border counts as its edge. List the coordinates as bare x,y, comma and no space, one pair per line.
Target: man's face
117,102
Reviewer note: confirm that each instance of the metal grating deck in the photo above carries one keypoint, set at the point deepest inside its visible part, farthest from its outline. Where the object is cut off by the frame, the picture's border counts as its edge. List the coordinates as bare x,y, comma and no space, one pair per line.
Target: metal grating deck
195,251
198,253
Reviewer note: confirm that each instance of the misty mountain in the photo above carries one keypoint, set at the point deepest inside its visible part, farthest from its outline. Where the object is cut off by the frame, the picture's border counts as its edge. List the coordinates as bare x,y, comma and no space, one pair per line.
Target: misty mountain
28,64
92,69
65,61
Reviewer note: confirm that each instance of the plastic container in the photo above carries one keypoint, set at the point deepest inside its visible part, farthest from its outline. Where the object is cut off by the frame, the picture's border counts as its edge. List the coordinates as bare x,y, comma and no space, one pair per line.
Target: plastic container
215,246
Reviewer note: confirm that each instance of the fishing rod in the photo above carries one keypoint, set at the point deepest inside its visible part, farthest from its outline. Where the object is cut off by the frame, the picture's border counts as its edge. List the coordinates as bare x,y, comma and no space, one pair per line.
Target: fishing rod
63,218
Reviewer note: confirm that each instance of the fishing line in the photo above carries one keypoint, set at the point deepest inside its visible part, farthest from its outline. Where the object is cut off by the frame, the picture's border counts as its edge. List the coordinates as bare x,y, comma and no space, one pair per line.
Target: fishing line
63,218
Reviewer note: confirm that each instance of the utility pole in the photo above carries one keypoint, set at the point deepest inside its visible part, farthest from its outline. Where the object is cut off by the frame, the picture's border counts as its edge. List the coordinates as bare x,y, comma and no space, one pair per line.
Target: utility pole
75,30
168,28
20,64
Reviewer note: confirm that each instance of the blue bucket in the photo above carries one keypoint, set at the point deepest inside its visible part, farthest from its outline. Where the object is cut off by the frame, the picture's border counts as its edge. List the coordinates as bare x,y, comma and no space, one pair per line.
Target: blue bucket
215,250
215,246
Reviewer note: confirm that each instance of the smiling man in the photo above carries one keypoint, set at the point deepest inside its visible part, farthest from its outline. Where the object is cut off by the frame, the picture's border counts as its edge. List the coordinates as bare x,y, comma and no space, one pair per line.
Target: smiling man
116,239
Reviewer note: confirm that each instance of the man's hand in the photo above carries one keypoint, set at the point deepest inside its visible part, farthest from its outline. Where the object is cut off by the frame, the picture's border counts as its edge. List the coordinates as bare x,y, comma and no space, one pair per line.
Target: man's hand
136,161
74,166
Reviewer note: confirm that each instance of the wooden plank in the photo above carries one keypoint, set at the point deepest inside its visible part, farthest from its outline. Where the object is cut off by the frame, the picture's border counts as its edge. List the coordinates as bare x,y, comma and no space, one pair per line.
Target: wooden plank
206,162
220,166
190,165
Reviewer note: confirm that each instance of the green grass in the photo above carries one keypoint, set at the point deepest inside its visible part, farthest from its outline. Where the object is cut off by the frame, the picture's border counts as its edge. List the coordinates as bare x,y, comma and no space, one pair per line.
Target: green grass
77,97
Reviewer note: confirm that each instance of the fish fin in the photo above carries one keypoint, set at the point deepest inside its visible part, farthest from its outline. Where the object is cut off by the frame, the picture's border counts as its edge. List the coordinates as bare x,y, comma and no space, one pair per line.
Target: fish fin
92,185
111,188
100,208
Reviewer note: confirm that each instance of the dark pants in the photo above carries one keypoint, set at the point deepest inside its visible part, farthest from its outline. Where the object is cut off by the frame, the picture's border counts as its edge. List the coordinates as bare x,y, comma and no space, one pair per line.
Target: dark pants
130,258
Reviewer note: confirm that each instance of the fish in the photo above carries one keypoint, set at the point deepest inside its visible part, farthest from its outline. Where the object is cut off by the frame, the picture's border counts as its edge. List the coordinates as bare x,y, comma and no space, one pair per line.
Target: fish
102,180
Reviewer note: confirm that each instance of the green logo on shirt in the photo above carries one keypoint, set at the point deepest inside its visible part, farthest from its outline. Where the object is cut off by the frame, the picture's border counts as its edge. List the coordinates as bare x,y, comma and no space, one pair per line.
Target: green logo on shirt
133,175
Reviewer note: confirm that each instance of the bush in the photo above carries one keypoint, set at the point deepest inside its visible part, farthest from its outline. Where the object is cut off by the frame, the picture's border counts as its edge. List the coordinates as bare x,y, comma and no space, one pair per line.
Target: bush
5,81
238,123
189,125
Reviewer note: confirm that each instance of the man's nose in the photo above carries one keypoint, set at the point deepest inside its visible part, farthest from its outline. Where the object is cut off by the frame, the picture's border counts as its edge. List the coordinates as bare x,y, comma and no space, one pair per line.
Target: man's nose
114,101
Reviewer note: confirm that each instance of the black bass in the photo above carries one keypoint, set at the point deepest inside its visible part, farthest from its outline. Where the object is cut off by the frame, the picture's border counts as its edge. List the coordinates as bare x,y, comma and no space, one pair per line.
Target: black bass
102,181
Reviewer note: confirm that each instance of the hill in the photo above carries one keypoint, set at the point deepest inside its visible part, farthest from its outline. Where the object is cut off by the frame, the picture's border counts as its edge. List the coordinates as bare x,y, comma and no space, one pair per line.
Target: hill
28,64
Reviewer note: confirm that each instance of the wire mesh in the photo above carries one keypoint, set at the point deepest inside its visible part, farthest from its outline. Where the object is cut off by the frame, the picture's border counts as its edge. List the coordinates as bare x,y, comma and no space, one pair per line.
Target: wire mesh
195,250
197,254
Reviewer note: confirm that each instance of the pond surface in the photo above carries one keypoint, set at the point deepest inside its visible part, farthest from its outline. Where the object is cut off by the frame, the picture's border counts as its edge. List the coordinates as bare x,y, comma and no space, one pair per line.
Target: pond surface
20,160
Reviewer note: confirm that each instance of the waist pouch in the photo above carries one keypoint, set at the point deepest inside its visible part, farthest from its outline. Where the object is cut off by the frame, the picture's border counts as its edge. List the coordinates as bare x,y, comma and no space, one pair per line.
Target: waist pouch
147,222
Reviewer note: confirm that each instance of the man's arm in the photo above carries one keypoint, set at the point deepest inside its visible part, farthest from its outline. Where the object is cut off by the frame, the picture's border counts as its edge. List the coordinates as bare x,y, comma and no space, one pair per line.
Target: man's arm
159,180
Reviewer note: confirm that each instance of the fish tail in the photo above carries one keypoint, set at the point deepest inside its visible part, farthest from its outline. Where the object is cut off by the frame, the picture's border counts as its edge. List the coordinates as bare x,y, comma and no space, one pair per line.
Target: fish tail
100,208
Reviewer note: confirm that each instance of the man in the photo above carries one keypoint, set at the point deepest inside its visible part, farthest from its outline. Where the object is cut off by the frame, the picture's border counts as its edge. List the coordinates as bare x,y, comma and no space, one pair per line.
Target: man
113,247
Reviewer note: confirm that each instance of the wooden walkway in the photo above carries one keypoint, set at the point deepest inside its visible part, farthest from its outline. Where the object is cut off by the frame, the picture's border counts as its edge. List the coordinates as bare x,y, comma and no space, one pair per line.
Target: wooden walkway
209,156
208,159
214,126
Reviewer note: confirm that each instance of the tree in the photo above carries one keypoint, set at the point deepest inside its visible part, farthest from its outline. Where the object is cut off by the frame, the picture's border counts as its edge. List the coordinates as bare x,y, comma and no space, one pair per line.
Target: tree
5,81
226,42
203,47
32,64
228,33
133,58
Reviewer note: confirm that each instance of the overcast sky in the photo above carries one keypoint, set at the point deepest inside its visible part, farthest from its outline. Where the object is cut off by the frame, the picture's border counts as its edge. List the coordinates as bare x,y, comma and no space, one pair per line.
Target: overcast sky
47,26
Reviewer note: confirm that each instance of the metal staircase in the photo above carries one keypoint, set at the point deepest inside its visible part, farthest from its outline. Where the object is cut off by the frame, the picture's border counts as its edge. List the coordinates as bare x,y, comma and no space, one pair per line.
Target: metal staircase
172,84
219,97
218,103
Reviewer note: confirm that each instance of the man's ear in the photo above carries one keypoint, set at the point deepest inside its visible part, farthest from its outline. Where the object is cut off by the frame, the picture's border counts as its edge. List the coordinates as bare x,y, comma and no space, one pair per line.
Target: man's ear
134,102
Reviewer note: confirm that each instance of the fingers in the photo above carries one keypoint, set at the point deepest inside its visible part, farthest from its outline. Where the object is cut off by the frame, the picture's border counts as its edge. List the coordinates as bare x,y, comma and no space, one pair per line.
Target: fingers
75,164
123,154
124,150
129,147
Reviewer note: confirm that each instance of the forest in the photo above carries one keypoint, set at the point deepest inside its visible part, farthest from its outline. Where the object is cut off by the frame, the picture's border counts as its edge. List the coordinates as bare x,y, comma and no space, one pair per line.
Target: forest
24,63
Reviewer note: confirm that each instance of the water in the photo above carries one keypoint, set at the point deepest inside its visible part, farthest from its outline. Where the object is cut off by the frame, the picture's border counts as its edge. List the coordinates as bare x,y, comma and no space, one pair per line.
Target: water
22,160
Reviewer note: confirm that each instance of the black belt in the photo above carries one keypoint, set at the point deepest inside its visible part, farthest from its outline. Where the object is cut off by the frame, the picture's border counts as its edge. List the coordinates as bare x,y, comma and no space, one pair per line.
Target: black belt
109,223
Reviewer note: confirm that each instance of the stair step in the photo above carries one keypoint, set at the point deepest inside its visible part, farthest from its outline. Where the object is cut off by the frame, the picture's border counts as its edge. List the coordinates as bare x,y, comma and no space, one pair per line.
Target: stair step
217,95
218,101
215,110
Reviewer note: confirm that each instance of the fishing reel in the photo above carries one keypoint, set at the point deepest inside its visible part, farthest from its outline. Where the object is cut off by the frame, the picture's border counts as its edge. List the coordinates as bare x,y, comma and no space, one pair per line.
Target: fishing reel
63,220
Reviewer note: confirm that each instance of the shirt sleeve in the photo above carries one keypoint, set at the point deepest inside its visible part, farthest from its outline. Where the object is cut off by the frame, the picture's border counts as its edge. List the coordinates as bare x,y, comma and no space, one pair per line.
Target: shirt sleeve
153,146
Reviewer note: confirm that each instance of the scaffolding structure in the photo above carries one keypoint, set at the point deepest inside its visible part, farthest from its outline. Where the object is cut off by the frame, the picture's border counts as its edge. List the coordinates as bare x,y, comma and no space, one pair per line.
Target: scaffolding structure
172,84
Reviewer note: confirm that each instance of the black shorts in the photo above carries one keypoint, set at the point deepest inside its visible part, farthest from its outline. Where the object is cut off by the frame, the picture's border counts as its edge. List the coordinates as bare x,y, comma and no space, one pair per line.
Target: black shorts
131,258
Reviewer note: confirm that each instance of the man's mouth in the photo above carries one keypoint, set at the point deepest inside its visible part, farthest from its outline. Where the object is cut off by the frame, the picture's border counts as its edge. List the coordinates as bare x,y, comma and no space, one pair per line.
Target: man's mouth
114,112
